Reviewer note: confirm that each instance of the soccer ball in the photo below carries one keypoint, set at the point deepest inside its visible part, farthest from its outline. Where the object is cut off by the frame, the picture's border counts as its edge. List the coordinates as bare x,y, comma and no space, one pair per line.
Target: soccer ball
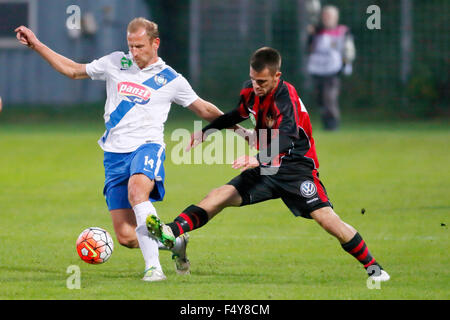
95,245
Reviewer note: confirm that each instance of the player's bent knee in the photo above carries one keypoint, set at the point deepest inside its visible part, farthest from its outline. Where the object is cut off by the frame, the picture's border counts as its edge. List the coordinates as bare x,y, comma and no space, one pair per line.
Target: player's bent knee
326,218
331,223
135,197
139,188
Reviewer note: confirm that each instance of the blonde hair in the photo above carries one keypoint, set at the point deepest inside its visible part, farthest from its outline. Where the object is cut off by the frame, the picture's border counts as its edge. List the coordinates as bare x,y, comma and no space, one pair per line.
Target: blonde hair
151,28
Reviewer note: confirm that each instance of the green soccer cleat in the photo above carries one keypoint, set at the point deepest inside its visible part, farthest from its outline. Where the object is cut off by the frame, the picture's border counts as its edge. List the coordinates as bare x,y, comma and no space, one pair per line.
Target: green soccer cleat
161,231
182,264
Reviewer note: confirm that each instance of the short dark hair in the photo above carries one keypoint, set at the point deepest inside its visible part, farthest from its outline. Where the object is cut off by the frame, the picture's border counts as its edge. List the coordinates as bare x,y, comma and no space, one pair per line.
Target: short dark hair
266,57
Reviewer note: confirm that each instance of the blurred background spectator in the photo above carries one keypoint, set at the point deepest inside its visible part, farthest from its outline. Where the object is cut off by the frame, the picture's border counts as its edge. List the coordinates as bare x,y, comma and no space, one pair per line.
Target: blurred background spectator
331,53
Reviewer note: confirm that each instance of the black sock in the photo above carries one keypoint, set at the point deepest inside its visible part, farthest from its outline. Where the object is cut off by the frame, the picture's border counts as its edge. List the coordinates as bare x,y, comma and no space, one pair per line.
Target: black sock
191,218
358,248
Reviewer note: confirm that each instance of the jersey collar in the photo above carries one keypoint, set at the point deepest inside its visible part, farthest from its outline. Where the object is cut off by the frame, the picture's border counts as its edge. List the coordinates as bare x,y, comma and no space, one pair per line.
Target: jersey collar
158,65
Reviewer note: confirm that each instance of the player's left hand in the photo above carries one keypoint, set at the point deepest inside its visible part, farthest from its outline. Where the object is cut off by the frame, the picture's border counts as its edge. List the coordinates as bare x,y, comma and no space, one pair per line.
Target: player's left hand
196,138
245,162
250,137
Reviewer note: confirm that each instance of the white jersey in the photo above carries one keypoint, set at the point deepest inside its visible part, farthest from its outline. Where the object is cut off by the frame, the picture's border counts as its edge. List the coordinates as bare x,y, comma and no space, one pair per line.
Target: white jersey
326,57
137,100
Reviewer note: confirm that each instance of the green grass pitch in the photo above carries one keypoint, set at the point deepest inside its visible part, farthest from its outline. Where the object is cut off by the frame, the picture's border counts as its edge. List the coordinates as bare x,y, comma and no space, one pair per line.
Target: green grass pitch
51,180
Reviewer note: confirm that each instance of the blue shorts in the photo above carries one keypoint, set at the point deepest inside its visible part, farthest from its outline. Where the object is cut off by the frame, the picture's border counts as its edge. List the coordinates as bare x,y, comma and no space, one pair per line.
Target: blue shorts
148,159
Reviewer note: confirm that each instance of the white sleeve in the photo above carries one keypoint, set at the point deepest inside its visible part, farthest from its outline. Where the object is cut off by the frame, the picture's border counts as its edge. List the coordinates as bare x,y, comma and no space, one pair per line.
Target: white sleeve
96,70
184,94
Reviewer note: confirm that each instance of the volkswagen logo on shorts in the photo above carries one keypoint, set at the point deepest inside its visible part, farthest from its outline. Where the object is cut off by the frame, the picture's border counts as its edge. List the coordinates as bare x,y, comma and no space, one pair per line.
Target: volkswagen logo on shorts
308,189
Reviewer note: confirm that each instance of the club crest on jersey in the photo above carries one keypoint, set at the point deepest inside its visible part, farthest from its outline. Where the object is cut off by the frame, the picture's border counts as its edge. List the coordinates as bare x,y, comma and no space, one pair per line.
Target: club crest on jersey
160,80
270,121
134,92
308,189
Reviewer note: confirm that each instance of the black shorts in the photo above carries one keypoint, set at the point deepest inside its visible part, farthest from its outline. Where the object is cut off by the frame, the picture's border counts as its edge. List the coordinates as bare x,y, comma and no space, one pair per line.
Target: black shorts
302,192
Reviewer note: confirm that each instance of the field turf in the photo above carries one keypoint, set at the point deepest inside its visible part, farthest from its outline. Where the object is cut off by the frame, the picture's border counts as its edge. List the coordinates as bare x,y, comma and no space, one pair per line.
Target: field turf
51,180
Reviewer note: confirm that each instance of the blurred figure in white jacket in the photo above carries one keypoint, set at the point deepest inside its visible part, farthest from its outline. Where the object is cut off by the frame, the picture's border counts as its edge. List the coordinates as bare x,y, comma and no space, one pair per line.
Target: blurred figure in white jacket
331,53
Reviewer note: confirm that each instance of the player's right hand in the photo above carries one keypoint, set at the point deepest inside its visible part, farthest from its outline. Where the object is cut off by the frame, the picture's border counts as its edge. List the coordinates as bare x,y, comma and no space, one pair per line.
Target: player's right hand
26,37
245,162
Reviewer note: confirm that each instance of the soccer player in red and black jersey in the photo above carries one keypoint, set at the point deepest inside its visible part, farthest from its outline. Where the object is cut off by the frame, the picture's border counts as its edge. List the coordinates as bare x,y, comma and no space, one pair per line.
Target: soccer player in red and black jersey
288,171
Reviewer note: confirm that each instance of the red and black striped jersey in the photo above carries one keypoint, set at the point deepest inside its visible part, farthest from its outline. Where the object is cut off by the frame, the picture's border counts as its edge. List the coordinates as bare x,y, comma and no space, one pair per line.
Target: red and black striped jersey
280,114
283,112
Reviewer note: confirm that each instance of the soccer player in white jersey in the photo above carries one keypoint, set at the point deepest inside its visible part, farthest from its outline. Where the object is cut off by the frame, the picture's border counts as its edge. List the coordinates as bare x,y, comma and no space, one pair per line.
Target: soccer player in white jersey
140,89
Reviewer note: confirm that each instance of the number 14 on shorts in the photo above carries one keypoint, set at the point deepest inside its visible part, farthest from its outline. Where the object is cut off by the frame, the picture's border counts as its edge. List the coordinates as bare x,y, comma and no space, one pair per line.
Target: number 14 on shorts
149,162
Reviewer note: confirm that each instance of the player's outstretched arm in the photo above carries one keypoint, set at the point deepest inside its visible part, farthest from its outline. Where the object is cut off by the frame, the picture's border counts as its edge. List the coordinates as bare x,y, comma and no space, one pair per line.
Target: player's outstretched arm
60,63
209,112
205,110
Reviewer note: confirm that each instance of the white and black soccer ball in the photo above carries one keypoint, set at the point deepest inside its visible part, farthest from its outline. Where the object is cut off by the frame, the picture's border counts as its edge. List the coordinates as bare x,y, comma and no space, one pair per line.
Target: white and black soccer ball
95,245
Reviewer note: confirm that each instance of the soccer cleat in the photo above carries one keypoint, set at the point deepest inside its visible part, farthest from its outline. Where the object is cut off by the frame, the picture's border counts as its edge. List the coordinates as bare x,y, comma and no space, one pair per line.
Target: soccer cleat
182,264
381,276
152,274
160,230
